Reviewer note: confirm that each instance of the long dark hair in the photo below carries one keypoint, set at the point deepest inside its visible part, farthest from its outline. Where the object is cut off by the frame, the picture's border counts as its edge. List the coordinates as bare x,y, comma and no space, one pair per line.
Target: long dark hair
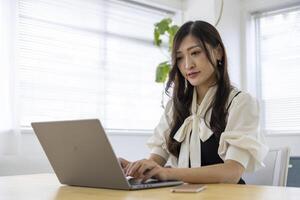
183,90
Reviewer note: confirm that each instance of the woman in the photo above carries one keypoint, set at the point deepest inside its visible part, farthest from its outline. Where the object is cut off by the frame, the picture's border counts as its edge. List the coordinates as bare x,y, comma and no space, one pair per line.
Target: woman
209,131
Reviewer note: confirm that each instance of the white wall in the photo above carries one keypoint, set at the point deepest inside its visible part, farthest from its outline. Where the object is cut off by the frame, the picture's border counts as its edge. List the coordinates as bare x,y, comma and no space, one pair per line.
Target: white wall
199,10
32,159
229,28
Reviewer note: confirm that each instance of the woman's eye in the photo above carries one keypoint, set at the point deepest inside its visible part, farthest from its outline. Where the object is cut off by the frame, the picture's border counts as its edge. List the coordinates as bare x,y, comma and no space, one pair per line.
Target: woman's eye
178,58
195,53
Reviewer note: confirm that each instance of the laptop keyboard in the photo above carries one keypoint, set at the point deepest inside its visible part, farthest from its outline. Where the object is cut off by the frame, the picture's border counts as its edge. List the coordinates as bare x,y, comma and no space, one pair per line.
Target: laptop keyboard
134,181
151,183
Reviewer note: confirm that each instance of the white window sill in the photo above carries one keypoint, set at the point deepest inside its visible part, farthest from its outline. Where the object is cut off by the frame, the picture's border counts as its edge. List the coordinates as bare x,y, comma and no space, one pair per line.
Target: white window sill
109,132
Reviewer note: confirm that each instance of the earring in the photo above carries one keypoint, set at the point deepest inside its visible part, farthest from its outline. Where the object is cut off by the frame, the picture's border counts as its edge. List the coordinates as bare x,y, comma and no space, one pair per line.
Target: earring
219,63
185,83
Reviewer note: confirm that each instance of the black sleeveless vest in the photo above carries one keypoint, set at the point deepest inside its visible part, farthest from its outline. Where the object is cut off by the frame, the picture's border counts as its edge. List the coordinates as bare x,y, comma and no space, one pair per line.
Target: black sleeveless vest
209,149
209,153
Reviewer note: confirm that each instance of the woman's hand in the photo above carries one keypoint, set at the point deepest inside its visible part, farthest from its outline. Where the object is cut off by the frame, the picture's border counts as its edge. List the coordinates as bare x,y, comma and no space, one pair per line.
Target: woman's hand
145,169
124,163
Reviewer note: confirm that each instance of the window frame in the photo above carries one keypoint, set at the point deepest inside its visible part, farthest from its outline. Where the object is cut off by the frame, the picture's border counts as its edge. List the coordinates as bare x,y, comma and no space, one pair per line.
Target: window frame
255,31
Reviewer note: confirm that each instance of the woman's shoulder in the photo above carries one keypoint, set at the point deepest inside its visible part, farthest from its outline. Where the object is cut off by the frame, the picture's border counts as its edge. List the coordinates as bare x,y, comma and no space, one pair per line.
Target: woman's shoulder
169,104
168,108
239,97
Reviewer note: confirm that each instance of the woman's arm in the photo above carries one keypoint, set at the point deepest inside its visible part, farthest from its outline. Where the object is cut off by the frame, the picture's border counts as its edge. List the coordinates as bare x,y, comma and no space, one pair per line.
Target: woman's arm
158,159
228,172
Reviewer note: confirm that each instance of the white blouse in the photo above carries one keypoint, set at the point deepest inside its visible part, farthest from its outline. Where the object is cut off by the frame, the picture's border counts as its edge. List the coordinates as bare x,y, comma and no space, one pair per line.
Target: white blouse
241,141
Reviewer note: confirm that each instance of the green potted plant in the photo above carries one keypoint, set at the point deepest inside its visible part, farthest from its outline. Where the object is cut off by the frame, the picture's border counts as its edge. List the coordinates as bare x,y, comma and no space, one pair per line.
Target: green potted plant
164,30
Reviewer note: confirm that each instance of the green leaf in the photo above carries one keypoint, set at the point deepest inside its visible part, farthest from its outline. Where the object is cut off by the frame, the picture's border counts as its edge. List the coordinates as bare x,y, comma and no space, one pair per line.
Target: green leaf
163,25
172,31
162,72
164,28
157,40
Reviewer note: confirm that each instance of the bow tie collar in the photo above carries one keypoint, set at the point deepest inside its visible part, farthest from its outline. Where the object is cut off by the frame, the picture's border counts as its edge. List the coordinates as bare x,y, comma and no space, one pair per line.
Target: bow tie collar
193,130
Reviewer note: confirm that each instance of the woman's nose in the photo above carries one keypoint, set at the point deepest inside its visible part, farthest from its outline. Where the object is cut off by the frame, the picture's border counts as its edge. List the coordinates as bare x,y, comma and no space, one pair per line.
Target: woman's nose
188,63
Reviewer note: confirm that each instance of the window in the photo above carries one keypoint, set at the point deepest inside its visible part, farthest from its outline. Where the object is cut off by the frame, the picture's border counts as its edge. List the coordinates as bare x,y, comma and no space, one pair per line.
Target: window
88,59
278,42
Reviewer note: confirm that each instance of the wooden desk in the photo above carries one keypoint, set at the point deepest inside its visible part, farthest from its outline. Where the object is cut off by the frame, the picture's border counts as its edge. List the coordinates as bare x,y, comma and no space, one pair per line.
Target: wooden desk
47,187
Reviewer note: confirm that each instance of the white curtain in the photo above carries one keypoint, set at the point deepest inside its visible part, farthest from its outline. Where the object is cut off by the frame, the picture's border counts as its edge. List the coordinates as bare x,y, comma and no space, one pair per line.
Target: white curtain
9,134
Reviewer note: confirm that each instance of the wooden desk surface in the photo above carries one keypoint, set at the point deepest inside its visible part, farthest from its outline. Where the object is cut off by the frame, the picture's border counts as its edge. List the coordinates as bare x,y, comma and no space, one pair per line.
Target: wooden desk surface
47,187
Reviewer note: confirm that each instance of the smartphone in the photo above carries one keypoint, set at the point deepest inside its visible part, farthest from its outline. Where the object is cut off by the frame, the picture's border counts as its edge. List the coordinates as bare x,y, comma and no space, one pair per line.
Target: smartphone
189,188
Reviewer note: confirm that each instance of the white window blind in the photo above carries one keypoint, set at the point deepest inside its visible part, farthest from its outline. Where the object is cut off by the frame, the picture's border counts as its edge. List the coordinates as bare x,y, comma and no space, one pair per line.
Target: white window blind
278,37
88,59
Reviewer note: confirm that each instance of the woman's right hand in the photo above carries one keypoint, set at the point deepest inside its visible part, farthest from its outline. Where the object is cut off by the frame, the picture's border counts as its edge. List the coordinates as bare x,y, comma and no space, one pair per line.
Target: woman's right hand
145,169
124,164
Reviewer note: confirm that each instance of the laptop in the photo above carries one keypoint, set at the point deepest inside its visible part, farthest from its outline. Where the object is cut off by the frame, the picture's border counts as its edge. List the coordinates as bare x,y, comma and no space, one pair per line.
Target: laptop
81,155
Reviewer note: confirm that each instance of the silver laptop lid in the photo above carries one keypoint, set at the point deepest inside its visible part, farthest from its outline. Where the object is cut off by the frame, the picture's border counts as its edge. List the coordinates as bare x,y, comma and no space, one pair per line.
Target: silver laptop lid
81,154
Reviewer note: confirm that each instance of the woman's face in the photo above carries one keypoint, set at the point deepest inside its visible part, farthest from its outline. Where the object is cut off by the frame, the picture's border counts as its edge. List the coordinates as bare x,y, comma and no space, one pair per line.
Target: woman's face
194,64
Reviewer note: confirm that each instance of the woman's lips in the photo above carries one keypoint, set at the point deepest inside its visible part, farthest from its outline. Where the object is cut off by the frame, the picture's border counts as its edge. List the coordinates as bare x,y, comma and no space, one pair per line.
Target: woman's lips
193,74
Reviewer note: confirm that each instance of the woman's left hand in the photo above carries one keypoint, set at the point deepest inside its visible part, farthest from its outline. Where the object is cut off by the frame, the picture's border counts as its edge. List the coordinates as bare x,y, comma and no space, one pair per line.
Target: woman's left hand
145,169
